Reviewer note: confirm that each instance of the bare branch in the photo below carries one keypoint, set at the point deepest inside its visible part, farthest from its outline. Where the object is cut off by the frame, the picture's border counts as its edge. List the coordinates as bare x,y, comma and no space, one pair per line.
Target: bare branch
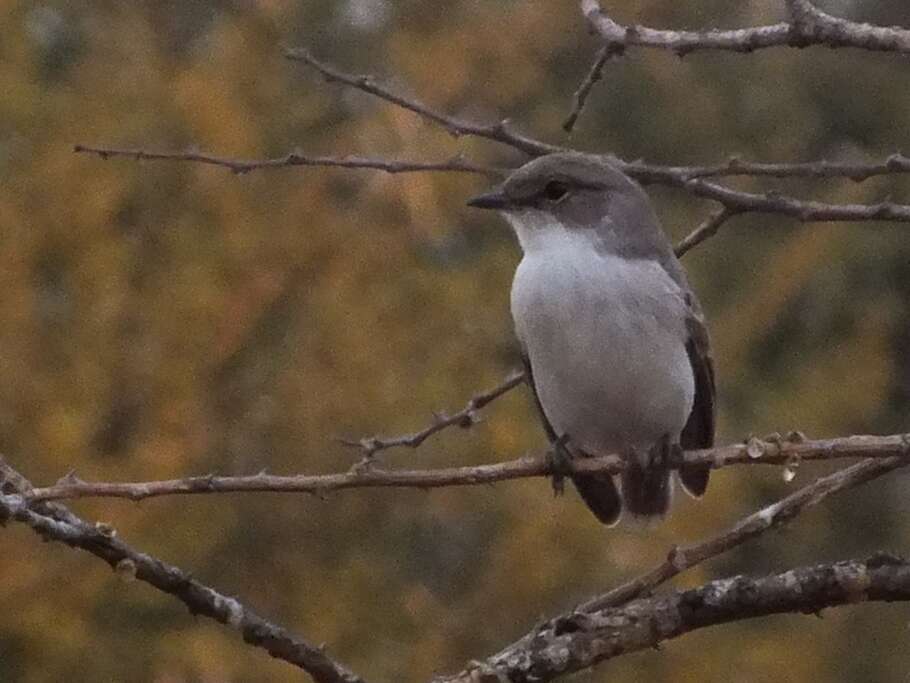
464,418
578,641
771,516
734,166
774,451
610,625
803,211
707,229
687,178
809,26
644,173
819,28
54,522
595,73
240,166
498,132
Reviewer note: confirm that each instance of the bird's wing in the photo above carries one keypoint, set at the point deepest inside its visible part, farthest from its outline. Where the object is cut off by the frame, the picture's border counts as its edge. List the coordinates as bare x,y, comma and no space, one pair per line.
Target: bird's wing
529,376
597,490
699,429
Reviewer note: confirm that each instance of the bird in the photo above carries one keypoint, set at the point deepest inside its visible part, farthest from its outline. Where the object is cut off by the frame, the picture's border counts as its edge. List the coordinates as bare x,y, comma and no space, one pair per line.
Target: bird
613,339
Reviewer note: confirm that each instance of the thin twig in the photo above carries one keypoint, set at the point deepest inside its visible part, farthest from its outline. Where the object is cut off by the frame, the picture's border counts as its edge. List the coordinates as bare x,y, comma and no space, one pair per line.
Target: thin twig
465,418
774,451
241,166
595,73
771,516
808,26
54,522
498,132
578,641
707,229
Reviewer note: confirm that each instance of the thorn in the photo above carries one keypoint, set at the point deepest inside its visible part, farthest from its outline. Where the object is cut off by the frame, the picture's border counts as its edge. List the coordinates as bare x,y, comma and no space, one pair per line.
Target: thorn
755,448
105,529
676,557
125,570
468,420
796,436
70,478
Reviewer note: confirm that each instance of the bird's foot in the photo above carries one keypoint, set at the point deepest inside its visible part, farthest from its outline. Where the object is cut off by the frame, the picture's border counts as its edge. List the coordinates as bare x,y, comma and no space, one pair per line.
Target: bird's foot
559,460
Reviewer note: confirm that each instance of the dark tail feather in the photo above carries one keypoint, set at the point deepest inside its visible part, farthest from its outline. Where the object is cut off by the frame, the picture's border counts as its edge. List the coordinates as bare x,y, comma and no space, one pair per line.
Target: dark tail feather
694,479
599,493
646,491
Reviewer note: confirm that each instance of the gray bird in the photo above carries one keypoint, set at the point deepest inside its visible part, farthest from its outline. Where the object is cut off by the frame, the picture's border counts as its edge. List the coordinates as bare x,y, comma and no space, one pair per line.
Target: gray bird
613,339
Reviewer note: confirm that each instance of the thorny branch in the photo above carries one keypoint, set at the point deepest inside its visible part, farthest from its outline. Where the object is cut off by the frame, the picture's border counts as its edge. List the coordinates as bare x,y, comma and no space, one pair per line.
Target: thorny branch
497,132
807,26
620,621
683,177
688,178
456,164
580,640
788,451
652,174
465,418
54,522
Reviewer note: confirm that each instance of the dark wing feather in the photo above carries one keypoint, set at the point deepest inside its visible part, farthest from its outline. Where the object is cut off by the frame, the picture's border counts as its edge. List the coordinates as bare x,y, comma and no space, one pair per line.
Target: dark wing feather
529,376
699,429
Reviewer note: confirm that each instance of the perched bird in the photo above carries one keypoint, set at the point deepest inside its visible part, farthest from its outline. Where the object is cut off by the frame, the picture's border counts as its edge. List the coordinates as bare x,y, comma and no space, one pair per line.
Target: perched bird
613,339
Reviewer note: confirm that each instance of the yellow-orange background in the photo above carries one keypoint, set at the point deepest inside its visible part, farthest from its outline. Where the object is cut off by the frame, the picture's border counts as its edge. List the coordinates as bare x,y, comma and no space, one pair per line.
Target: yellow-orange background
160,320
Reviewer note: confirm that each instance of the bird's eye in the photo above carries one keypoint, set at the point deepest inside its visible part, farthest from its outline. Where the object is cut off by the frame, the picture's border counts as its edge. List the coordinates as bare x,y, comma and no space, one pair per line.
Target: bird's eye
555,190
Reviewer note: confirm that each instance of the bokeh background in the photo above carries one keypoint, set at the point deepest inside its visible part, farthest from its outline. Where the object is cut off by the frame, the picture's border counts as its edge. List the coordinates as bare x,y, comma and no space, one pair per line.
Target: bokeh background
160,320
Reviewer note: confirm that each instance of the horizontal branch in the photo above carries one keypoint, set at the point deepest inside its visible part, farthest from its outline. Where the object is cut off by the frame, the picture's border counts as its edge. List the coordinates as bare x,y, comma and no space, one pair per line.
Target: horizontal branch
456,164
808,26
805,211
644,173
774,451
686,178
53,522
578,641
497,132
734,166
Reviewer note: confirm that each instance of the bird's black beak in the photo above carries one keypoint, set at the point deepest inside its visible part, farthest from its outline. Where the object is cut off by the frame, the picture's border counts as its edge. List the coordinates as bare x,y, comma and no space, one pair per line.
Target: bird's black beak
495,199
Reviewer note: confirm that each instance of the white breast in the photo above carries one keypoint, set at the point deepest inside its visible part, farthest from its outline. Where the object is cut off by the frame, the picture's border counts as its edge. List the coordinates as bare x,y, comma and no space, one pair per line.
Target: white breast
606,340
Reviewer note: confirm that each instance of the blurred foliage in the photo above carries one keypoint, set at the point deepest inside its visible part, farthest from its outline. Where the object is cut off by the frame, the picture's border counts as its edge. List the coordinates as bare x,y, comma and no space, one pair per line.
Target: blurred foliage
162,320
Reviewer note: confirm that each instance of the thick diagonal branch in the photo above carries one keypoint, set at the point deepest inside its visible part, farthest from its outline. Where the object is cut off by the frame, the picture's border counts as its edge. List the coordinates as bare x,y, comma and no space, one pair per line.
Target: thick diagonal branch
53,522
680,559
580,640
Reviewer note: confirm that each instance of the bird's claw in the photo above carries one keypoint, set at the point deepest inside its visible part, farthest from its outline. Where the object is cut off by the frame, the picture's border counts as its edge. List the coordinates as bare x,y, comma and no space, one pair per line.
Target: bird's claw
559,461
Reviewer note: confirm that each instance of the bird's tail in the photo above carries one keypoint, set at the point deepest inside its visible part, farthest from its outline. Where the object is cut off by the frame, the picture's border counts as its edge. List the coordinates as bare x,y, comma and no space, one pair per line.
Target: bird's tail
599,493
646,490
